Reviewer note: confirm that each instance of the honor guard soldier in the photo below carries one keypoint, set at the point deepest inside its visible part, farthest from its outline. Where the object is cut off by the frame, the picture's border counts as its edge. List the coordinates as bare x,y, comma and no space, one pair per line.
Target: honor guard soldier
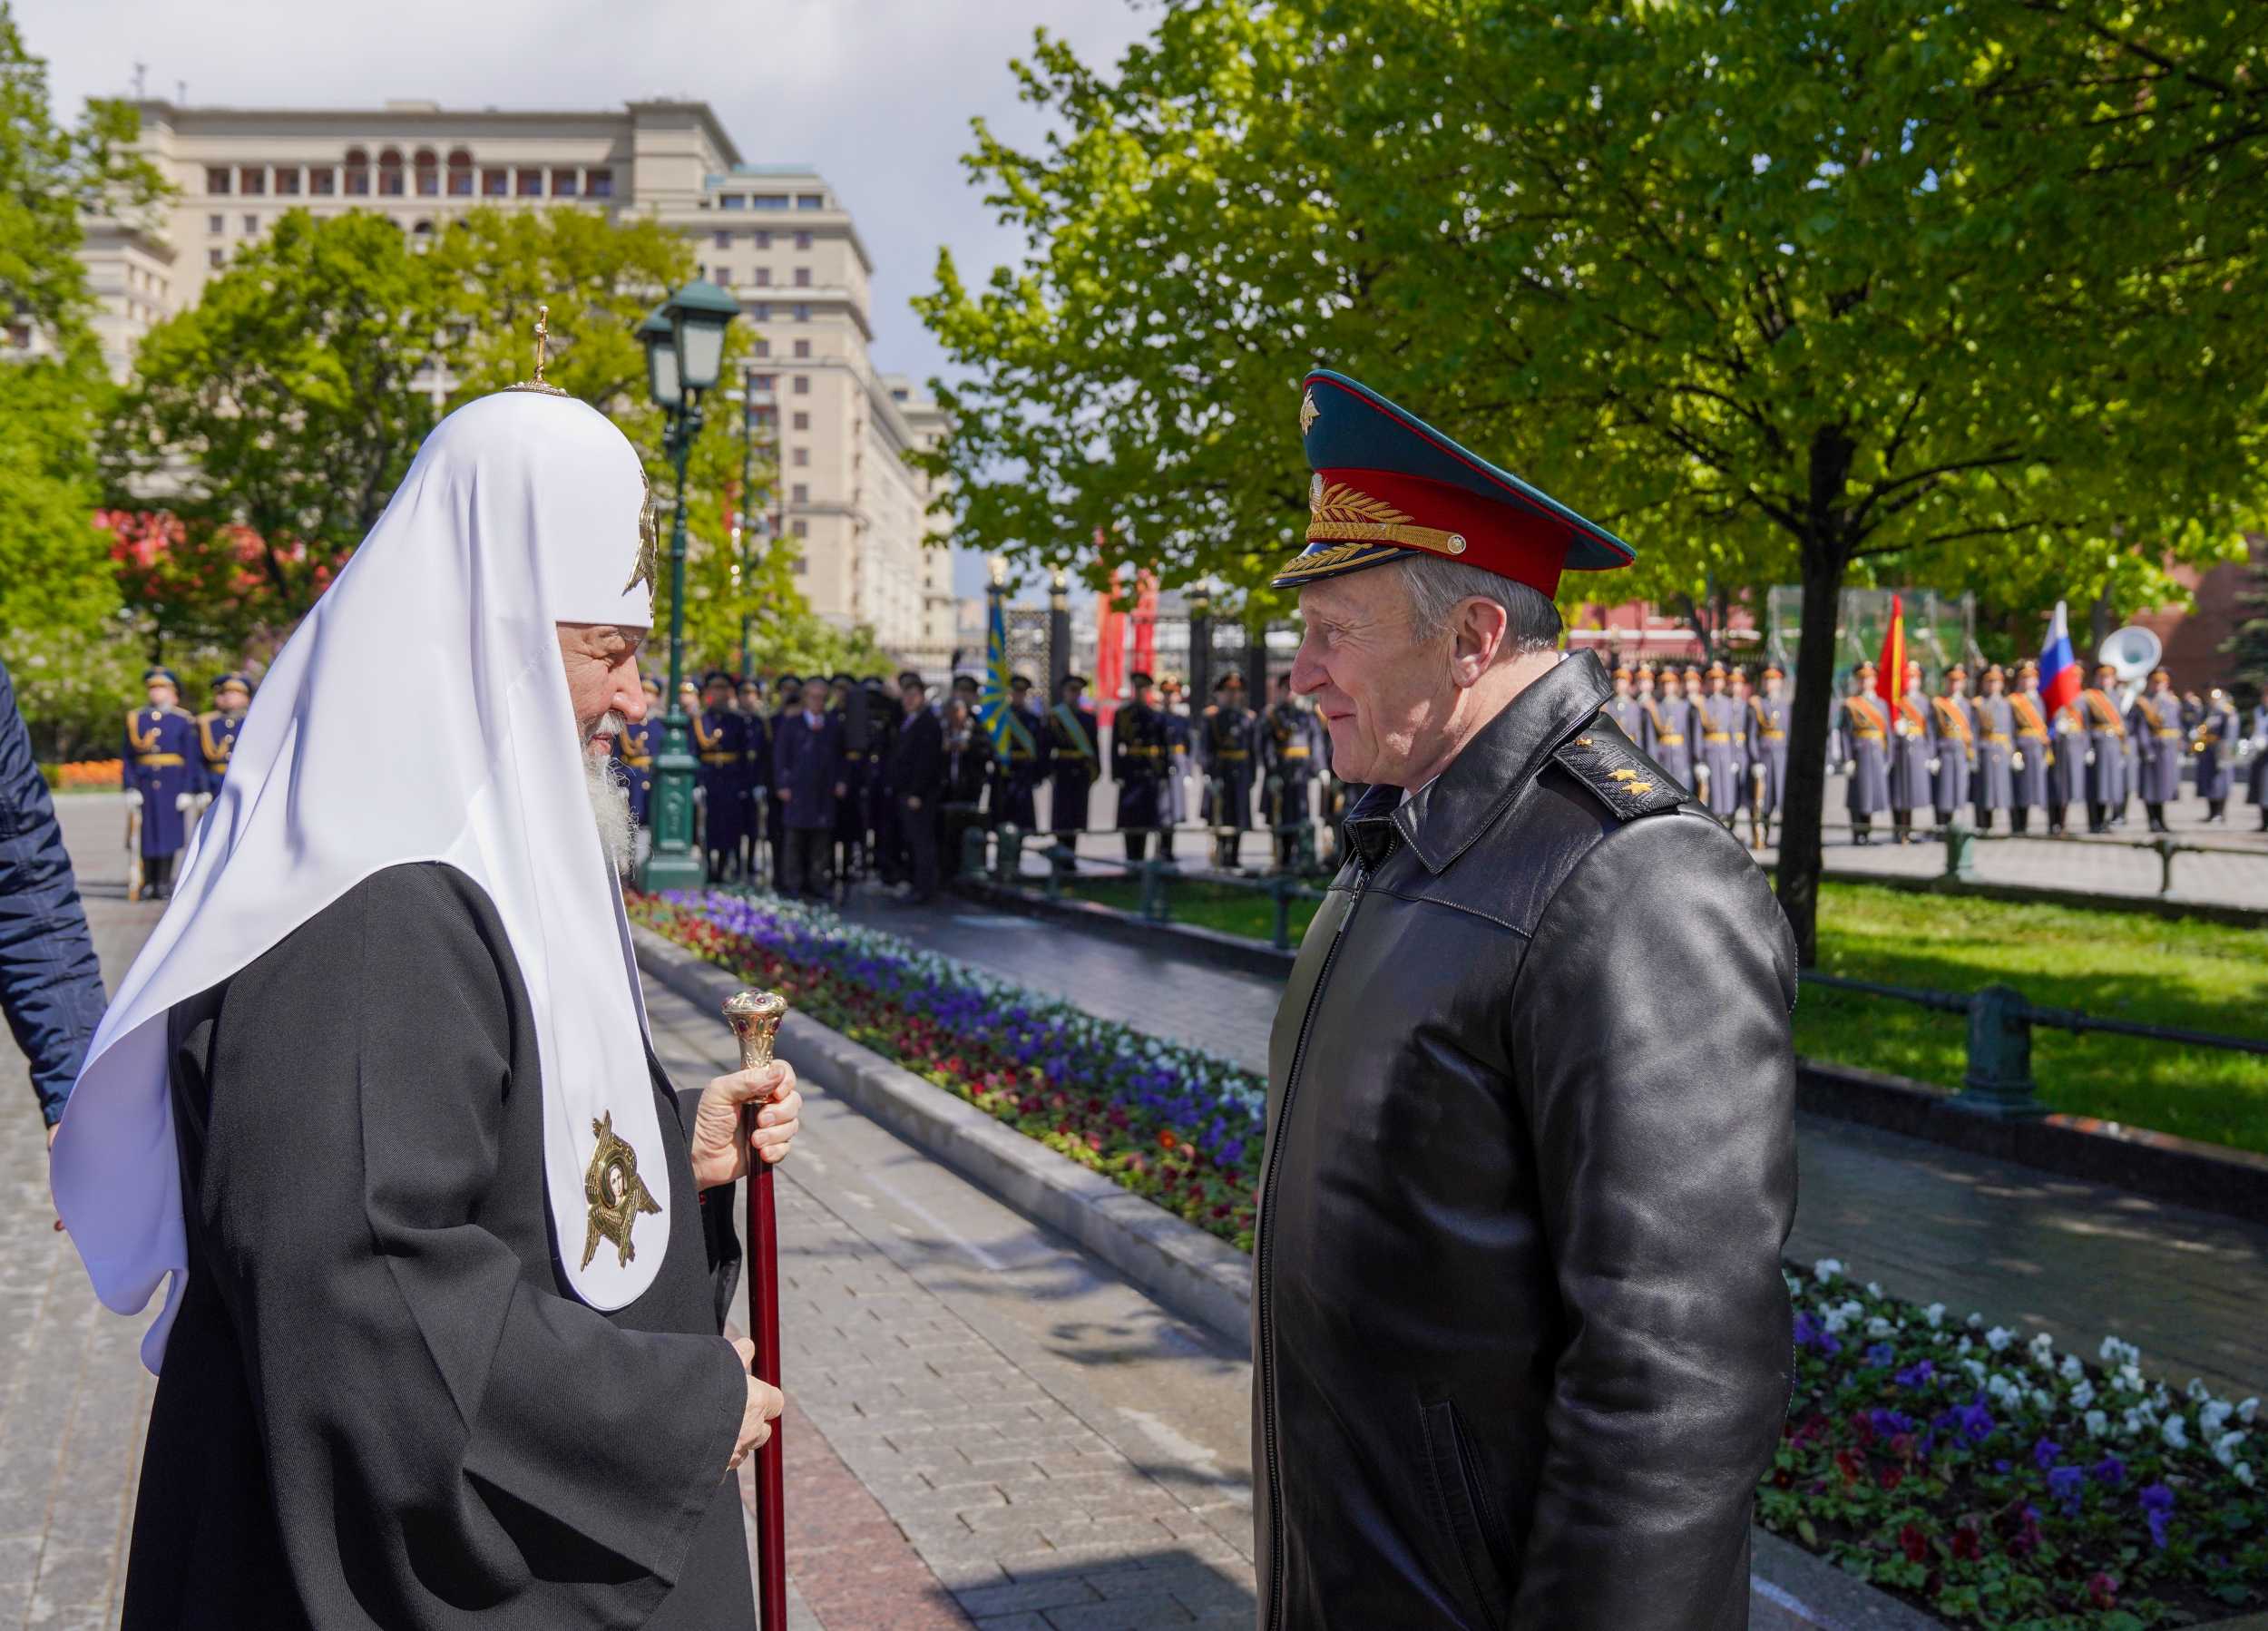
720,743
1075,762
767,816
1642,693
162,770
1288,755
1027,757
1173,708
1952,745
2068,766
2256,762
2105,750
1767,752
2155,723
1724,748
2214,744
1994,720
1667,723
1866,738
1138,764
756,771
1909,754
635,751
216,731
1224,751
2032,749
1624,708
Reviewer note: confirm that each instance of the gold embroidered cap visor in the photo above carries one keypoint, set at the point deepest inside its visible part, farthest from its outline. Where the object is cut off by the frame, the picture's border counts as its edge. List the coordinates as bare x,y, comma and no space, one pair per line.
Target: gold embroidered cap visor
1387,485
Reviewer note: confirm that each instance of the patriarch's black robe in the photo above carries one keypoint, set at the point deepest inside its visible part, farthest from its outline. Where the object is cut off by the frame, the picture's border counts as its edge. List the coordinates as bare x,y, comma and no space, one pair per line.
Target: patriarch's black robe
381,1405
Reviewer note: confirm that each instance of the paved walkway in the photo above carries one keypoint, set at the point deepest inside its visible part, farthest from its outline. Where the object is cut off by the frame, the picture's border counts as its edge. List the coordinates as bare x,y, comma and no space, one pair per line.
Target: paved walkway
2077,1259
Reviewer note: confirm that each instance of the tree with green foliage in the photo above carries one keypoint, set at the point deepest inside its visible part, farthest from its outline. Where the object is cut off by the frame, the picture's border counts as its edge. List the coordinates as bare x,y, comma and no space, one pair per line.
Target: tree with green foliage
1846,293
2248,646
52,383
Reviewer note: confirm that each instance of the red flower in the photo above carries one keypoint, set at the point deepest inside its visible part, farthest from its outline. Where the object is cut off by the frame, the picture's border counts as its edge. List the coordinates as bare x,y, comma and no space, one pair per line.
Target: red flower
1892,1477
1166,1140
1913,1543
2102,1591
1968,1544
1862,1430
1852,1464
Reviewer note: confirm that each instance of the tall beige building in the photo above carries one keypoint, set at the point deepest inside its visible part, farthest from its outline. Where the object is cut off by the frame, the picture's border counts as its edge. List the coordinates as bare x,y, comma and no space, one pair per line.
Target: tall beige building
776,236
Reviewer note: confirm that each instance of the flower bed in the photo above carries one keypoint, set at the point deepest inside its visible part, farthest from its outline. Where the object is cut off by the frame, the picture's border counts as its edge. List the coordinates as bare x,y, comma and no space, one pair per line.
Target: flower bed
84,775
1177,1125
1992,1480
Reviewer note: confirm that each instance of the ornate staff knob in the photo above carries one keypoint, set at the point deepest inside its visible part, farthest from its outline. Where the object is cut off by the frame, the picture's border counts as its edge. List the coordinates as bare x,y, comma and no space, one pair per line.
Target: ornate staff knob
755,1017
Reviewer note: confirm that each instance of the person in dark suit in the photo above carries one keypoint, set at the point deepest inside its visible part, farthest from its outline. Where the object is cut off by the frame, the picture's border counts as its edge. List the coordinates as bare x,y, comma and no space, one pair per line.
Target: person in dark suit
970,795
1138,764
917,768
808,771
886,854
1027,757
848,703
1073,759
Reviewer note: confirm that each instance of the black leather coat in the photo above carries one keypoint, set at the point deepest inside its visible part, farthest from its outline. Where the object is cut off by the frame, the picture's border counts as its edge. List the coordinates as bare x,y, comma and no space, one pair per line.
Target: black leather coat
1521,1345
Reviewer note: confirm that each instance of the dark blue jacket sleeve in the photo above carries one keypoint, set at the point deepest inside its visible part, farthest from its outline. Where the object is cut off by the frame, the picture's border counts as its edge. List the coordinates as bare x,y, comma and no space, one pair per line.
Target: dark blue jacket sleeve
50,984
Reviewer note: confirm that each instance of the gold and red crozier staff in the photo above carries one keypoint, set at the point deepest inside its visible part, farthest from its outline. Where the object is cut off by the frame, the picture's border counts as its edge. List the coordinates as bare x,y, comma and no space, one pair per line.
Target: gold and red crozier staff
755,1017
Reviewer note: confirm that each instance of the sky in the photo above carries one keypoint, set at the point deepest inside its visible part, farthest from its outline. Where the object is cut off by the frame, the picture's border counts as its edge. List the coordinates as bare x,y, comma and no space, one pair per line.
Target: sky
877,94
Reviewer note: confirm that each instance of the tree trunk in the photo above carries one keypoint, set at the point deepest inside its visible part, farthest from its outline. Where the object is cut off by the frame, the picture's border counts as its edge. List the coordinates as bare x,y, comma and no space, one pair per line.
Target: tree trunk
1811,714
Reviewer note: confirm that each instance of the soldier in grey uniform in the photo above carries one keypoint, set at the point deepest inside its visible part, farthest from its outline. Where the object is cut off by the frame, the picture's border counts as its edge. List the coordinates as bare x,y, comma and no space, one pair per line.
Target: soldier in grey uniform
1642,693
1995,721
2105,750
2256,769
1952,745
2068,766
1909,754
2154,723
1625,708
1864,729
2214,744
1669,724
1767,752
2031,751
1723,752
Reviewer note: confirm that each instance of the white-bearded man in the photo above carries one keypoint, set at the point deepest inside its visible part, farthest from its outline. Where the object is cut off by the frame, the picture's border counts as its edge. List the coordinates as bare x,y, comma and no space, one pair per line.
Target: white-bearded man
449,1257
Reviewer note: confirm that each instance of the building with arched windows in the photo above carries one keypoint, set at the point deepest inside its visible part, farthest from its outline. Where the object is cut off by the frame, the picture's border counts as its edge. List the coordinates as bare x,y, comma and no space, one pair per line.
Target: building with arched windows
776,235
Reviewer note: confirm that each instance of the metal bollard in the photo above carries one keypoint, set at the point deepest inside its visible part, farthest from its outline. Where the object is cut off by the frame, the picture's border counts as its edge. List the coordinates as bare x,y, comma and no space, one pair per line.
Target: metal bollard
2167,850
1280,887
1062,860
1156,879
1007,855
1961,852
973,852
1999,1081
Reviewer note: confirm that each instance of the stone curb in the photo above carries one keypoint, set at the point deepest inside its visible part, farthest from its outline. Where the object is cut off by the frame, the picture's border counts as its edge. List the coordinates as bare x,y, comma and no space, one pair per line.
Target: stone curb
1196,1275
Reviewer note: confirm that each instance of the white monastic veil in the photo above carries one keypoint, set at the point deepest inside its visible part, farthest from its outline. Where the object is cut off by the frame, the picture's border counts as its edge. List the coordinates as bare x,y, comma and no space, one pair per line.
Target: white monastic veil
419,713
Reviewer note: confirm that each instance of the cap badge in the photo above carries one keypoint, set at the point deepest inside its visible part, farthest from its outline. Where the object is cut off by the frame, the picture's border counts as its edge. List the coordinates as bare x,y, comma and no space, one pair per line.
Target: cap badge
649,542
1308,413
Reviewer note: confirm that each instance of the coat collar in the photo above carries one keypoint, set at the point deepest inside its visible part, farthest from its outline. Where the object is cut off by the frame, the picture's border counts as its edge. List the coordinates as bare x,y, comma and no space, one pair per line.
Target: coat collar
1452,810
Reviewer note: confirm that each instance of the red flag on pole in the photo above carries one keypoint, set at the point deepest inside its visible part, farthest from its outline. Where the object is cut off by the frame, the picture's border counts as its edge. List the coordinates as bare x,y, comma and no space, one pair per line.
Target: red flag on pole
1110,651
1889,675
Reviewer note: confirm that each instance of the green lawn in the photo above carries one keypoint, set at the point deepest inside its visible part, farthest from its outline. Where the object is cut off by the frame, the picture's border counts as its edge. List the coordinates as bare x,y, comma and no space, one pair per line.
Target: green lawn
2113,964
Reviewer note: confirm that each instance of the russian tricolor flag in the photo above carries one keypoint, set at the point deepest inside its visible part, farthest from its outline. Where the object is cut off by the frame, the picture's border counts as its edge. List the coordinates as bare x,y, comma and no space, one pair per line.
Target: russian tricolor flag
2059,669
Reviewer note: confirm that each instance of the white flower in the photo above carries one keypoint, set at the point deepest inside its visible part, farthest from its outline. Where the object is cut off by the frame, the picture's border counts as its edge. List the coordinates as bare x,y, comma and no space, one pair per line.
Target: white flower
1878,1327
2083,1394
1975,1367
2197,1391
2071,1370
1999,1338
1934,1314
1976,1322
1794,1286
2097,1424
2043,1350
2130,1379
1963,1345
2214,1415
2115,1352
2005,1393
2176,1432
2041,1402
1827,1268
2244,1472
2225,1448
2247,1411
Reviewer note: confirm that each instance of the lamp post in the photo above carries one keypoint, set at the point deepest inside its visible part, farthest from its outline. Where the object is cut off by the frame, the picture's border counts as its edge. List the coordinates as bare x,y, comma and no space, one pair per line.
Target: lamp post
685,348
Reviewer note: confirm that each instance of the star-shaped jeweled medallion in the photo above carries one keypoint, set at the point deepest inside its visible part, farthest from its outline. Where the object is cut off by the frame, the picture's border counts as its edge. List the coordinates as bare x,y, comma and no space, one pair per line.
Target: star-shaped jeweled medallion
615,1192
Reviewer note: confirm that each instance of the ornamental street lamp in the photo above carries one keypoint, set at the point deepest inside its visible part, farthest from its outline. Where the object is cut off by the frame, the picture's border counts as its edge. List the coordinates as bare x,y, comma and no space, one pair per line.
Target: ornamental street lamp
685,348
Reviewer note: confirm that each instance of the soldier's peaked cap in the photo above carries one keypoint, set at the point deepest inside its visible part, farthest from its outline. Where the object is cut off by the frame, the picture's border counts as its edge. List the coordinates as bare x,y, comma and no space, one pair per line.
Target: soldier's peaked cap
1388,486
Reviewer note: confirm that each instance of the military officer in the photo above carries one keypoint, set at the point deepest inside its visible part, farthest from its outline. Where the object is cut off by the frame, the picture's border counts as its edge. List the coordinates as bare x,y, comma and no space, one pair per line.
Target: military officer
162,771
1623,708
1074,760
2105,750
1768,714
1288,759
635,751
2214,744
2032,753
1865,736
2155,723
719,744
1027,757
1994,787
1669,724
216,731
1224,751
1723,751
1138,764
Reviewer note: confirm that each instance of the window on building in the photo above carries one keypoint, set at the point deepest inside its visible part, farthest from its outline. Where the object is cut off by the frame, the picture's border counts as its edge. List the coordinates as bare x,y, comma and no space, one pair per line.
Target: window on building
287,180
803,240
810,200
460,173
801,458
390,179
767,201
802,568
801,386
428,165
563,183
215,225
251,179
802,312
802,277
723,277
531,184
763,346
799,528
800,494
759,313
212,257
723,240
252,225
765,382
803,347
763,240
803,422
322,180
495,183
598,183
734,200
763,276
357,173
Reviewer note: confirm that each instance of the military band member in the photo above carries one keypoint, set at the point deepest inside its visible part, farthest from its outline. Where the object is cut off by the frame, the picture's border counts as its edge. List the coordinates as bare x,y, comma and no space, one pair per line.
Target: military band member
2030,750
2155,724
1767,752
1138,764
1075,762
719,742
635,751
216,731
2105,780
2214,742
1224,751
1669,724
1027,757
1723,759
2256,769
162,770
1288,759
1865,732
1994,719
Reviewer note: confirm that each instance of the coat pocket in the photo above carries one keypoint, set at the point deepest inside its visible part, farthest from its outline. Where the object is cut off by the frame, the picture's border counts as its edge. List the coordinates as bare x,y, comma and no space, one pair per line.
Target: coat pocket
1462,1503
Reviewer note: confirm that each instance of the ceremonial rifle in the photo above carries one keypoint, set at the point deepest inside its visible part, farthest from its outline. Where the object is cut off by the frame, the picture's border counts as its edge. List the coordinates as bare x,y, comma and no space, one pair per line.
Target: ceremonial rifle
755,1017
